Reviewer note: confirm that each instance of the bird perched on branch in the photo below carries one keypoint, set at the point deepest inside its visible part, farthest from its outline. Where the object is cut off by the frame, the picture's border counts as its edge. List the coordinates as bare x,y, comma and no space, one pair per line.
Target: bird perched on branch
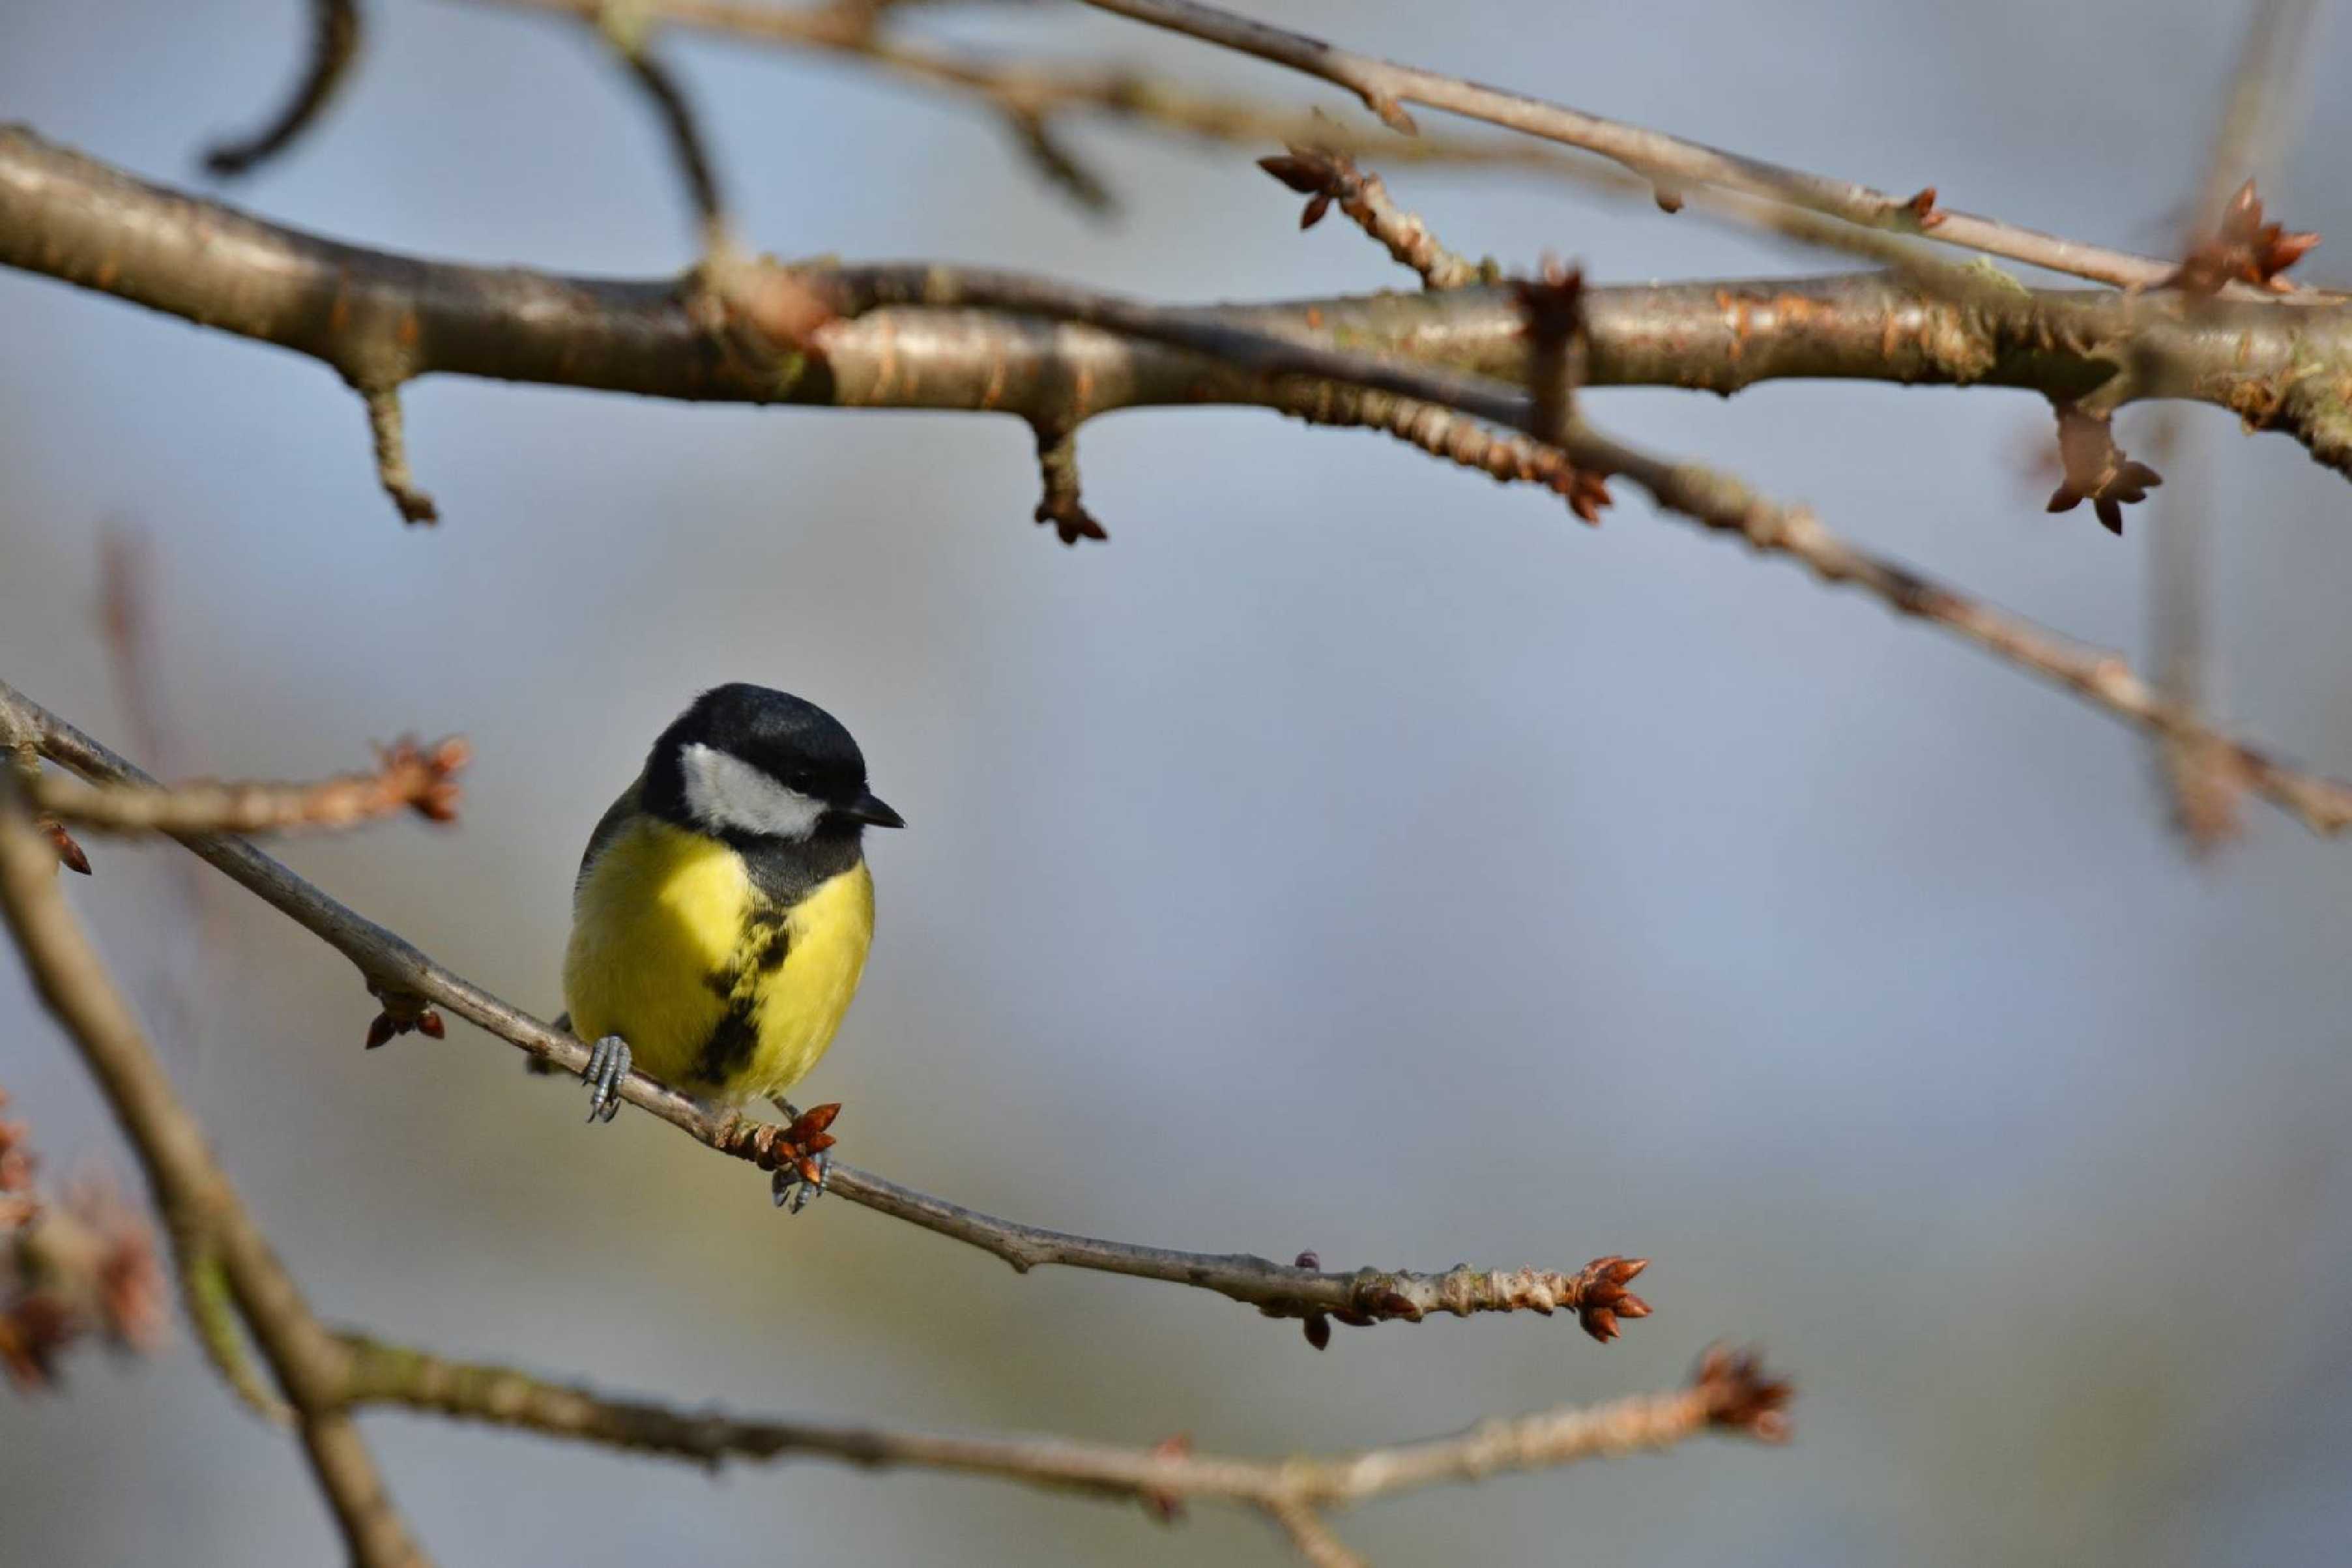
722,911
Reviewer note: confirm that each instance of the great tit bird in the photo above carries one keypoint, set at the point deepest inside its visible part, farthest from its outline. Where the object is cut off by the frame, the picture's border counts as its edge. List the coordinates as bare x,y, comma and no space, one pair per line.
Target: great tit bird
721,915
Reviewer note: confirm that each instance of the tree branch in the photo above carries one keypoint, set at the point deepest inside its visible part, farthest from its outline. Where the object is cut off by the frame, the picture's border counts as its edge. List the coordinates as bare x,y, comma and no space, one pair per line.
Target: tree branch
1728,1392
405,977
1030,95
379,318
1669,163
191,1191
408,777
925,336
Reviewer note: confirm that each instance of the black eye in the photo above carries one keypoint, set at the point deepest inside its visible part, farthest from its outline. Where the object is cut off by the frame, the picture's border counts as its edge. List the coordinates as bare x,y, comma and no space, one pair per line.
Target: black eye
801,779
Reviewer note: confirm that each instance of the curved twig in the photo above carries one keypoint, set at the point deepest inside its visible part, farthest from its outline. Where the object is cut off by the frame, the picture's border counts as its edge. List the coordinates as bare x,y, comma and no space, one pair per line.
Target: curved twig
334,44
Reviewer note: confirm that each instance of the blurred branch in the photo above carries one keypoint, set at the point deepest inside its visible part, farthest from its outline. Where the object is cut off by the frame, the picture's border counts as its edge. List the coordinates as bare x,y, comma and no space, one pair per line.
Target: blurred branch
379,318
1669,163
191,1191
1031,96
1728,1392
408,777
2204,790
334,44
928,336
398,972
623,26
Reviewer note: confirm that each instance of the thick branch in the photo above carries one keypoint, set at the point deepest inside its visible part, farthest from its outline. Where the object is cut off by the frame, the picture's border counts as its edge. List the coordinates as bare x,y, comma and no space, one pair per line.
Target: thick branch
379,318
393,968
928,336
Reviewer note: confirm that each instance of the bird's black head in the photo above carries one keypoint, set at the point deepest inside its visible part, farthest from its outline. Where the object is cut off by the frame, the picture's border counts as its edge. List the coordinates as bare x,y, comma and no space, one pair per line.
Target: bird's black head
746,764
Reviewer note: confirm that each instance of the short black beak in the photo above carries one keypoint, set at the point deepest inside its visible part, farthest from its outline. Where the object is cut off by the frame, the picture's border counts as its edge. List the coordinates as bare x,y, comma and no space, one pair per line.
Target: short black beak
866,808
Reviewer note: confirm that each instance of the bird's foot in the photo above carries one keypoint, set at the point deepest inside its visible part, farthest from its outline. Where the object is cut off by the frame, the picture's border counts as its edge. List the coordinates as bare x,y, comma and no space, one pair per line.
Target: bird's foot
608,1064
803,1162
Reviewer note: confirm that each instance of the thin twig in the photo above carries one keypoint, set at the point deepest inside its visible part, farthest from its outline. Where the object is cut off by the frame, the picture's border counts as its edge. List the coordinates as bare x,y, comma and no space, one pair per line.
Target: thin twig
2198,780
191,1191
387,430
406,777
623,26
1728,1392
1596,1293
1325,177
1031,94
334,43
1669,163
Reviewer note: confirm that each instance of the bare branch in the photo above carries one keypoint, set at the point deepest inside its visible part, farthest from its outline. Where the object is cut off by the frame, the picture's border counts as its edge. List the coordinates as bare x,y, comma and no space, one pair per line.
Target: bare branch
1057,469
931,336
379,318
623,28
1669,163
191,1190
406,777
334,44
1325,177
1728,1392
387,432
1031,96
394,969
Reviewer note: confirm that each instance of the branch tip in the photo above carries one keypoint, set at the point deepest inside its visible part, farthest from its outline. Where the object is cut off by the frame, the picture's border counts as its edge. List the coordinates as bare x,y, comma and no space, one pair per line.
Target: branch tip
387,427
1057,469
2096,470
334,45
2243,250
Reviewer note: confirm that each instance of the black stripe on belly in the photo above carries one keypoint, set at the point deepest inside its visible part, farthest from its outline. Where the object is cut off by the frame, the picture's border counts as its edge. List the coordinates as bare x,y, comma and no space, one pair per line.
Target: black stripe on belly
728,1050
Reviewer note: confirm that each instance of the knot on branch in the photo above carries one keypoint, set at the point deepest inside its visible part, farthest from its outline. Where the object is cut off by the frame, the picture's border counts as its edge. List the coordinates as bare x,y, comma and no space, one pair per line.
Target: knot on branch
2243,250
2096,470
1327,178
1551,312
70,855
1921,210
1059,501
771,1147
1738,1395
404,1012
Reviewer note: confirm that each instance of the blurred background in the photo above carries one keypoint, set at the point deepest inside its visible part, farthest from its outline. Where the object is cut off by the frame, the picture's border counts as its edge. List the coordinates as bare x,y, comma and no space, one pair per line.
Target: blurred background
1351,855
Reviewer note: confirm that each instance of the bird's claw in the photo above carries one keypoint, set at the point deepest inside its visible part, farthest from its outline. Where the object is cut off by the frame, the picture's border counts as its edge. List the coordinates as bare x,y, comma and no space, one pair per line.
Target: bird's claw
608,1064
793,1191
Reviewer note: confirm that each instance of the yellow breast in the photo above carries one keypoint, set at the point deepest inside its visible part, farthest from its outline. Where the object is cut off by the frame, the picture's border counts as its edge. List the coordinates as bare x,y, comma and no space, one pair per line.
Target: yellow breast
716,988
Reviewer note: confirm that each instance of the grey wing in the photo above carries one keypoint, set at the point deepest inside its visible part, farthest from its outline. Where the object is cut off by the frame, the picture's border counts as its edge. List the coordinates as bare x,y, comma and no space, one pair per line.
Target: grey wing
608,828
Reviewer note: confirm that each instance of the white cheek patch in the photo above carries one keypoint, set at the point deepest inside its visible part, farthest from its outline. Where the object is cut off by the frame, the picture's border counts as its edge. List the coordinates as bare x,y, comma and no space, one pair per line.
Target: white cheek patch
726,791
